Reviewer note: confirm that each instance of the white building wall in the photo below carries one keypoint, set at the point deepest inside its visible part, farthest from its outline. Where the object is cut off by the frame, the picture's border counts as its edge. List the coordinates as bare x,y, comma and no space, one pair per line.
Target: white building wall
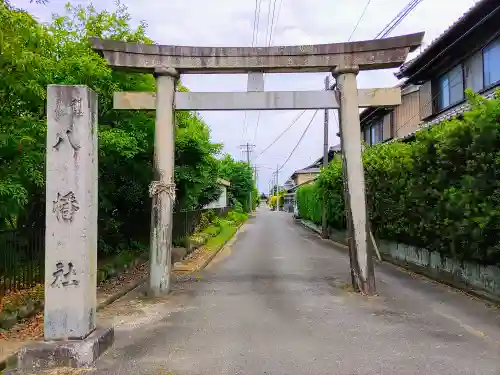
221,201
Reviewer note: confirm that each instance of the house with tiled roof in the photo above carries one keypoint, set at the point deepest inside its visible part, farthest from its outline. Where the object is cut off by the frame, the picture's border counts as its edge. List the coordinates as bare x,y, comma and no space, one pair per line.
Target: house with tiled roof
466,55
333,153
297,179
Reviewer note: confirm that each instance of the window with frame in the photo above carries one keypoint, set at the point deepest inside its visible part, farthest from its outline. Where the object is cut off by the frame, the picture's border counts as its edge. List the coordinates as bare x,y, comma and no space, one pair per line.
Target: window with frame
373,133
491,63
366,135
451,87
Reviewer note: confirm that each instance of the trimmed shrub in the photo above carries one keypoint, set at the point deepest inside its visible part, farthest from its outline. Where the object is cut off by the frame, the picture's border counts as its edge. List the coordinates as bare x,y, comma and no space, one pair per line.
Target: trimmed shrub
274,202
440,192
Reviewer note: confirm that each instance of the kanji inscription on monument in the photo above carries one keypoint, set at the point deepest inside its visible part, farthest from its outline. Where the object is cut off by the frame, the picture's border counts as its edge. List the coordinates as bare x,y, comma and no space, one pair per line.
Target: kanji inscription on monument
71,212
76,107
63,278
65,206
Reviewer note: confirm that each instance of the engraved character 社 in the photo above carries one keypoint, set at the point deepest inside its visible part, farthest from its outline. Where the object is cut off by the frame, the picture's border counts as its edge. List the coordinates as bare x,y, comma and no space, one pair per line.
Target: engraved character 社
65,206
62,278
76,107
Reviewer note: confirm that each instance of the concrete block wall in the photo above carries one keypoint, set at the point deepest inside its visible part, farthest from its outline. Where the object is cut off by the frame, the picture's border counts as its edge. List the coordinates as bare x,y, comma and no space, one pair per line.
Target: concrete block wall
469,276
484,280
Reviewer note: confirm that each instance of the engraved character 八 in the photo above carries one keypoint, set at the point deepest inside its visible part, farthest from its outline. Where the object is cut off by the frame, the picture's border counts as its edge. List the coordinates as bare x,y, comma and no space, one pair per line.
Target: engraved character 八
76,110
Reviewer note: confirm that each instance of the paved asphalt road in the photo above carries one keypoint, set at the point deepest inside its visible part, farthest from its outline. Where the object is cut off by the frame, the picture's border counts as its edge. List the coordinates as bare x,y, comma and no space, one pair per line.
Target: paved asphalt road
278,302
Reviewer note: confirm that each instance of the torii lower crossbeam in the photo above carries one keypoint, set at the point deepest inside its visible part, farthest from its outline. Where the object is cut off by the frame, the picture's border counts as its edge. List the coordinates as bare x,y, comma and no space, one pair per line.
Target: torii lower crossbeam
267,100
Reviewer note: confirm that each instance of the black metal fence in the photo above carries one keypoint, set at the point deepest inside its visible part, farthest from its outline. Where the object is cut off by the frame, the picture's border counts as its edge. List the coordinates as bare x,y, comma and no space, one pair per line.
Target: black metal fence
186,222
22,253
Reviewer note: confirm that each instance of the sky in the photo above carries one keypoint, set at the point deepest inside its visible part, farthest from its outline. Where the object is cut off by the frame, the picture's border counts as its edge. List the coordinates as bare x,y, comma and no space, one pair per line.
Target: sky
231,23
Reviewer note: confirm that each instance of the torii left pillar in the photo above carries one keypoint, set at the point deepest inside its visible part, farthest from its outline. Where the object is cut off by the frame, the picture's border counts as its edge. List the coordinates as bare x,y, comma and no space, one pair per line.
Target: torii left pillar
162,189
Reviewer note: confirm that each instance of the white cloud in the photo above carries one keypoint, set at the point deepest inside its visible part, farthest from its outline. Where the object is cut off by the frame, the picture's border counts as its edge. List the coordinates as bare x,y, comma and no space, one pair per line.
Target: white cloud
230,22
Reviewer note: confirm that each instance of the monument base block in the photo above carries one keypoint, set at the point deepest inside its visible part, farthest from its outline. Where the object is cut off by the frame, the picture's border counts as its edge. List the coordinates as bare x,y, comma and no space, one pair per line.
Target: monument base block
71,353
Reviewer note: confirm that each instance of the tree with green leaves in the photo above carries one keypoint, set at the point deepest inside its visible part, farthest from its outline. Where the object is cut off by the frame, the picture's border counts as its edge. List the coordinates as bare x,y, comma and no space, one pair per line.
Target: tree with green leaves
35,55
240,175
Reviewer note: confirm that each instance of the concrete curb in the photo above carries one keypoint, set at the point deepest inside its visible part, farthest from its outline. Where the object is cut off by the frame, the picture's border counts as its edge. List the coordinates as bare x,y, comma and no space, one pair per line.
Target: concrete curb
339,244
408,268
119,294
214,253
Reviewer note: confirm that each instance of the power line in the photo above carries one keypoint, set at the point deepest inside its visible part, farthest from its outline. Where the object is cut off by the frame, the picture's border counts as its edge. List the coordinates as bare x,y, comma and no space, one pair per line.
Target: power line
256,126
390,27
273,23
359,19
270,30
398,18
277,17
243,132
256,20
269,33
403,16
255,36
300,140
284,131
491,14
270,19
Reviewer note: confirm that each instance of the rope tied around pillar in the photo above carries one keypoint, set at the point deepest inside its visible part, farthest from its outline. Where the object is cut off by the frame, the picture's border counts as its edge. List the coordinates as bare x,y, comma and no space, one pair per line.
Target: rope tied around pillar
157,187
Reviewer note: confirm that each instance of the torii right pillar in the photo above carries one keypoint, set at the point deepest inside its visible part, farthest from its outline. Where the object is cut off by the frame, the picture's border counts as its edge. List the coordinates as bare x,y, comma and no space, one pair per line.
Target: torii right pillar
360,247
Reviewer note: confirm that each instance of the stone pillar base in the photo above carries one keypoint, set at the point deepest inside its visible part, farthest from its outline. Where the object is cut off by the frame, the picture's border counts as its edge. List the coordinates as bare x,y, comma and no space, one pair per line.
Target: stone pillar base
52,354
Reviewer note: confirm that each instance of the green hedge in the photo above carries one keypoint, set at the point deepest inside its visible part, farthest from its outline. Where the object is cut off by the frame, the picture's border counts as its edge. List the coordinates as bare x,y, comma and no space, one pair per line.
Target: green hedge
440,192
329,186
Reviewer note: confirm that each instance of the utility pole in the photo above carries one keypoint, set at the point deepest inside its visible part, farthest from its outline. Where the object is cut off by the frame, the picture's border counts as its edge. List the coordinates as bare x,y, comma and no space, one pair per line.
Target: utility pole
277,189
247,148
277,179
256,178
255,173
324,226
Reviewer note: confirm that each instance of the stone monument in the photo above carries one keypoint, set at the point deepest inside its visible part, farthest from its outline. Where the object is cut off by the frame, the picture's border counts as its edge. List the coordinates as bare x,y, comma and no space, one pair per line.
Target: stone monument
71,336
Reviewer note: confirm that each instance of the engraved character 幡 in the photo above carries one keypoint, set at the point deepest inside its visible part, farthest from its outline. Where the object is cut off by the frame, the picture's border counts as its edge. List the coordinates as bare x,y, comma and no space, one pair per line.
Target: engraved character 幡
65,206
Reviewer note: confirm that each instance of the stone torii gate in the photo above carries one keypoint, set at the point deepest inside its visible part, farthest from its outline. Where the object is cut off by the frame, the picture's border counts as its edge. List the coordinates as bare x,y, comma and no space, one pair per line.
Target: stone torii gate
344,60
70,332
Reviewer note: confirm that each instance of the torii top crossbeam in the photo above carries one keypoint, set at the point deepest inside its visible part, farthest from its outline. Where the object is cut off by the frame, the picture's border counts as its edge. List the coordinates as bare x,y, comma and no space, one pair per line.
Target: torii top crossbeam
367,55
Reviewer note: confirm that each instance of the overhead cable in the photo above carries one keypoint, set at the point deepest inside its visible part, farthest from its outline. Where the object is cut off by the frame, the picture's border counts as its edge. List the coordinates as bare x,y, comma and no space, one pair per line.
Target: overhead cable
300,139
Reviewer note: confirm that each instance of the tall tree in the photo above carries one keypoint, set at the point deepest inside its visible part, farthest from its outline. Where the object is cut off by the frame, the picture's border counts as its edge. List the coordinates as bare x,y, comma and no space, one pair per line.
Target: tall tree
33,56
241,176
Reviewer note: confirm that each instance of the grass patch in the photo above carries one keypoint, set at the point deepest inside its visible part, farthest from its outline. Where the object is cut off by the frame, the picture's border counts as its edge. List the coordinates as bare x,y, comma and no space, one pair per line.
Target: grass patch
227,231
212,230
218,231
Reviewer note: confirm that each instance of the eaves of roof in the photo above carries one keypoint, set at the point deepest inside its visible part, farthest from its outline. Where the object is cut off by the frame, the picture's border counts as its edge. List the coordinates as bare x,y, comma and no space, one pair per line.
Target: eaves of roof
463,24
